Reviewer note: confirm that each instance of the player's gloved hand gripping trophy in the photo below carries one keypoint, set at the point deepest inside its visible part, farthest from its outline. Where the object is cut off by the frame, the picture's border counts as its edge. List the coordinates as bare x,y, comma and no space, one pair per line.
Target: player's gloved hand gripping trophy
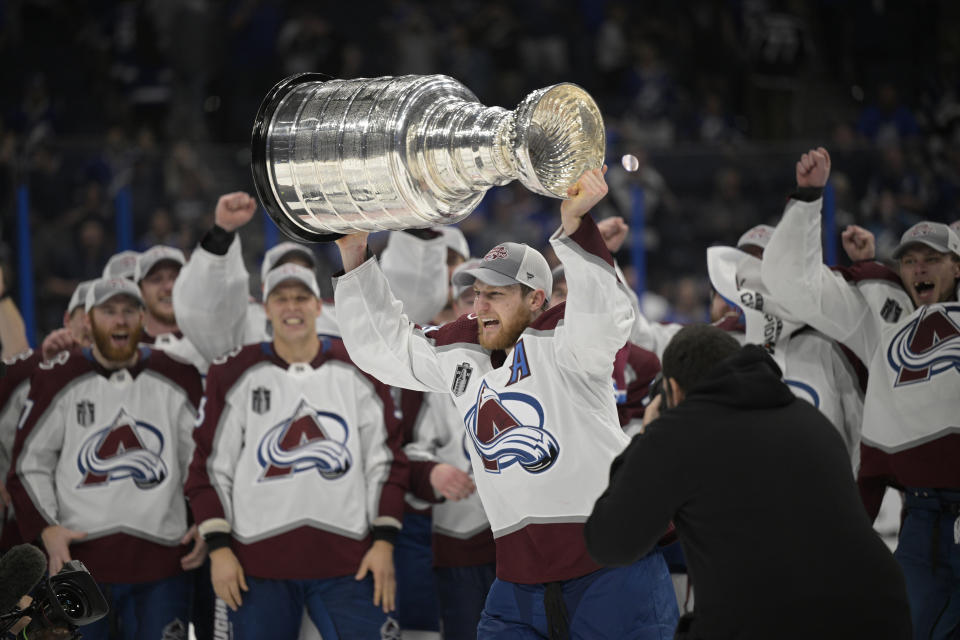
331,157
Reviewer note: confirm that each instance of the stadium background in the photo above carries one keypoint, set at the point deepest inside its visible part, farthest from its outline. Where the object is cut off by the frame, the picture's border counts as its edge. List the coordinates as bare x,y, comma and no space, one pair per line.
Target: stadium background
121,122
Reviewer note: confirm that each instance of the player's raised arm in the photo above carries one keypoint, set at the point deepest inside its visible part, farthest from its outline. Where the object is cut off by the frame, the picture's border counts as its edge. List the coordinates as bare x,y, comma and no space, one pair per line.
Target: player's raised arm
794,272
599,313
380,338
211,293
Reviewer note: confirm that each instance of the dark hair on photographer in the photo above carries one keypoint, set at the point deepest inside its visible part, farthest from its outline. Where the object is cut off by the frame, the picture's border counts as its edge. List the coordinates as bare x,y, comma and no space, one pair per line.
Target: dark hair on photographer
694,351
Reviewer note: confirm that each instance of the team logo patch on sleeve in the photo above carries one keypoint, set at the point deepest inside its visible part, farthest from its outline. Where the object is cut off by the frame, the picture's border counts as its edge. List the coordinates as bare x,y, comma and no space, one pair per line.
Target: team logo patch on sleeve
927,345
461,378
308,440
507,428
126,449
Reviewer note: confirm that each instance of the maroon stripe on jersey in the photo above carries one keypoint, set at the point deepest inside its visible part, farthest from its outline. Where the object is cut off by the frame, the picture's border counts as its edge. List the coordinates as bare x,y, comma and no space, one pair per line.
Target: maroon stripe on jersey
411,402
857,365
868,270
18,372
588,236
544,553
181,374
420,483
456,552
45,385
125,558
302,554
645,365
461,330
931,464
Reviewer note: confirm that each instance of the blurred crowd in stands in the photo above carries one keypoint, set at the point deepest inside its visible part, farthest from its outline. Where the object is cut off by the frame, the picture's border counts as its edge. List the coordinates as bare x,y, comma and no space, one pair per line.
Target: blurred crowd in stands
157,97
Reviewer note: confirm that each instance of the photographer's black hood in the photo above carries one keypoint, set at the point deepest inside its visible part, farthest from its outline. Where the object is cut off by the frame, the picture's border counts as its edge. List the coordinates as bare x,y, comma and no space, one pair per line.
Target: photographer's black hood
749,379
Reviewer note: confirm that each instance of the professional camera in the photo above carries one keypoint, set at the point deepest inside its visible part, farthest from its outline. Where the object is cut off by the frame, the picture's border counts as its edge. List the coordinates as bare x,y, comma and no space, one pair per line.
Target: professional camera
67,600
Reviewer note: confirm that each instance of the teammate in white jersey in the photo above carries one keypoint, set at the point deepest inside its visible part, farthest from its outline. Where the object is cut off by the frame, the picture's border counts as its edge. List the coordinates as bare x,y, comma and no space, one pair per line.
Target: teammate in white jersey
532,388
906,328
100,459
298,468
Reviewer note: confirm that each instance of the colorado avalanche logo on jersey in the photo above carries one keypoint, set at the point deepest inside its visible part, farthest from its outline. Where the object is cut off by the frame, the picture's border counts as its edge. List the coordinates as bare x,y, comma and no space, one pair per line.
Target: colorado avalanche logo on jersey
309,439
926,346
128,448
507,428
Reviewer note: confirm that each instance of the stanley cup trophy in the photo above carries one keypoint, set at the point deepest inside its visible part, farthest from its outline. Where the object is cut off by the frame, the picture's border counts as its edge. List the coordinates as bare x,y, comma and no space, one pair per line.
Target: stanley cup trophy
331,157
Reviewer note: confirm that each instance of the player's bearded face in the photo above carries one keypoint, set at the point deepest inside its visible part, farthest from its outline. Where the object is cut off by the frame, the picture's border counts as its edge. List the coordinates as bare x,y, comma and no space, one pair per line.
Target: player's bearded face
928,275
502,315
116,326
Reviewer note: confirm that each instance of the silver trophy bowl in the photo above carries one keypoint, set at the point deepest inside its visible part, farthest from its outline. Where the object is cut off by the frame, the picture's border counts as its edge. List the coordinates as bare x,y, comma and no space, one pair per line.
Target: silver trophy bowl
331,157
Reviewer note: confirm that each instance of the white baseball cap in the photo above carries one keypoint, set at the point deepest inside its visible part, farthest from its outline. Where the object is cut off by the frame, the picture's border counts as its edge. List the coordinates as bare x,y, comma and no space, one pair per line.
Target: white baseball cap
507,264
154,256
282,250
758,236
79,297
287,272
935,235
99,291
122,265
455,241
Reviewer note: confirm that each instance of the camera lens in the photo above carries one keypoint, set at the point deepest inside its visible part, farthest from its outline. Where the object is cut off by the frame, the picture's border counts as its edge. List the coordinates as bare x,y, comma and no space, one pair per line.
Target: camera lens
74,602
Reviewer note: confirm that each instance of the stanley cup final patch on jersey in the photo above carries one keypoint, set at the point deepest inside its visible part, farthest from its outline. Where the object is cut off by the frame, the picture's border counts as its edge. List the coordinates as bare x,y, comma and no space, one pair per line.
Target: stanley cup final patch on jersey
461,378
260,400
85,414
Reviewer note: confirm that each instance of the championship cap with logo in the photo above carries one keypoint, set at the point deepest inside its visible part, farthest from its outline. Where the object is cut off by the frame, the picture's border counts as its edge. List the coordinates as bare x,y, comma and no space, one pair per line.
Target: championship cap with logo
122,265
935,235
104,289
758,236
510,263
153,256
275,256
79,297
288,272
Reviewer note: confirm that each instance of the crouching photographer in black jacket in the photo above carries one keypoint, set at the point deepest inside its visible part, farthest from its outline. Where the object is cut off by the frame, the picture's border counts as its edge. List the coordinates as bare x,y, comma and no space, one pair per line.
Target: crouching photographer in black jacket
758,485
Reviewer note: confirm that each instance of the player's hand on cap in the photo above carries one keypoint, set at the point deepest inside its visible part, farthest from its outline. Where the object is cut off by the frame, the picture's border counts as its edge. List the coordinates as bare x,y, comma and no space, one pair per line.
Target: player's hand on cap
234,210
813,168
57,341
858,243
57,540
450,482
197,555
582,196
379,561
227,577
614,231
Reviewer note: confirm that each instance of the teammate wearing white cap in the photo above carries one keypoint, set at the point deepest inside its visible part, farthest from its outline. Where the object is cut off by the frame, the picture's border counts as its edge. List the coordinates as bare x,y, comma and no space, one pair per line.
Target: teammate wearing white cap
907,328
101,455
298,478
532,389
122,265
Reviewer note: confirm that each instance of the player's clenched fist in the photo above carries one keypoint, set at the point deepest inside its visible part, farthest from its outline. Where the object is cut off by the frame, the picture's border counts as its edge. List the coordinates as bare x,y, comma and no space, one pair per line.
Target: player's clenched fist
234,210
813,168
582,196
227,577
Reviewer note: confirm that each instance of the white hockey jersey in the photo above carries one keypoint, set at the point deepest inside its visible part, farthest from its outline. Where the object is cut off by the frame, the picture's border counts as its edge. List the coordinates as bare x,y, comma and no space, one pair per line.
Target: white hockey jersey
814,367
179,347
461,531
540,419
106,452
296,458
912,405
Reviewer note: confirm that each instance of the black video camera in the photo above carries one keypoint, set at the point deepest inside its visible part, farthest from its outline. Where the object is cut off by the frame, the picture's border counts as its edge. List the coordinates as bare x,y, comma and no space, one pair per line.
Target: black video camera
67,600
658,387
